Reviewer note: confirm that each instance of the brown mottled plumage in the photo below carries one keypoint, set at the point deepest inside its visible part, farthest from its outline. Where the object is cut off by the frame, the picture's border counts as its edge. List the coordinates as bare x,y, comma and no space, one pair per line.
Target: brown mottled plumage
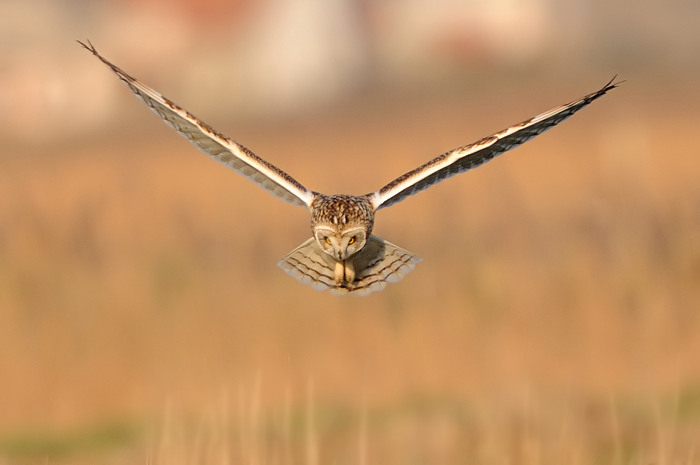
343,255
341,210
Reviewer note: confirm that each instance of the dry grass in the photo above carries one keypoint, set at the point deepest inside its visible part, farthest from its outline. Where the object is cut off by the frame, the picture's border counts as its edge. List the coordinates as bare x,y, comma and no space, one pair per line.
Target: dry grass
554,319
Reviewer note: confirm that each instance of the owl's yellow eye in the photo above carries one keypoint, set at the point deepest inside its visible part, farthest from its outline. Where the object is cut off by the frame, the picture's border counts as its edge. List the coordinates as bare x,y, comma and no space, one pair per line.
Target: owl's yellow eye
328,240
352,240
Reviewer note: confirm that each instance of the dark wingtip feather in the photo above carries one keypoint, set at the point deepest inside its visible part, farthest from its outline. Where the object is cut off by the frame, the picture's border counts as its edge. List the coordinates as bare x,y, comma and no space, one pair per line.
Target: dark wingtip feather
612,83
91,48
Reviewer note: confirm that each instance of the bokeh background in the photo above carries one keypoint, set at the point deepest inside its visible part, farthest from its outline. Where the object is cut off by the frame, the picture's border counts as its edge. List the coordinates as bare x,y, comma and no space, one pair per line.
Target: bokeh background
555,318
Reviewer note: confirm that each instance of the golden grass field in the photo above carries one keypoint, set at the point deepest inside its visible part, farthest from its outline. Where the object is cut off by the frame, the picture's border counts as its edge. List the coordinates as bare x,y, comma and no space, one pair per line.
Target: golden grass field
555,318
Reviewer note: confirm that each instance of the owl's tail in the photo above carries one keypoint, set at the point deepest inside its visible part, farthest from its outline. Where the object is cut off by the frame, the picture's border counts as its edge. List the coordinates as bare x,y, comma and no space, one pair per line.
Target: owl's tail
379,262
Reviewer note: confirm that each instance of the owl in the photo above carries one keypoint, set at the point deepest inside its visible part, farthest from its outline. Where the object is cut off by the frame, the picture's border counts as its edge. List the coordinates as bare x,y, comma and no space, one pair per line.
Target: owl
343,255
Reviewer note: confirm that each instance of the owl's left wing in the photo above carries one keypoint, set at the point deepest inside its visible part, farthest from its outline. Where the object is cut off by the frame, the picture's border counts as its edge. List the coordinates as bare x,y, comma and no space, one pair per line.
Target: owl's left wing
470,156
208,140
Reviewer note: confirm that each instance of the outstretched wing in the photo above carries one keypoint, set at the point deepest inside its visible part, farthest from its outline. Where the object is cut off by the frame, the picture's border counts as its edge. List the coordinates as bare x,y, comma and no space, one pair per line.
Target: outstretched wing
464,158
211,142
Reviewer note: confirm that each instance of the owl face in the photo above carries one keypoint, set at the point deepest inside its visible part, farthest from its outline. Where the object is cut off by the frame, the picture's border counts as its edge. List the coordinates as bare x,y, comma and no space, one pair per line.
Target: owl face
340,244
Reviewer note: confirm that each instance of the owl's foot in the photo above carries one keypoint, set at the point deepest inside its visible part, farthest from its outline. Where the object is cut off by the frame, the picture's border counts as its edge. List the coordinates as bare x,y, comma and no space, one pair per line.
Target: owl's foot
344,273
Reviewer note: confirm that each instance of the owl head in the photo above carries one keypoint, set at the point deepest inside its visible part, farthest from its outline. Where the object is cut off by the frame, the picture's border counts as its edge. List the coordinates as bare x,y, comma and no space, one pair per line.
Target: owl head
341,224
340,243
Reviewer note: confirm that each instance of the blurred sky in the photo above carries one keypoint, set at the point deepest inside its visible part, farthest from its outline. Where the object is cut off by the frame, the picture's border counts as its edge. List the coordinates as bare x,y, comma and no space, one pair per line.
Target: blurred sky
272,57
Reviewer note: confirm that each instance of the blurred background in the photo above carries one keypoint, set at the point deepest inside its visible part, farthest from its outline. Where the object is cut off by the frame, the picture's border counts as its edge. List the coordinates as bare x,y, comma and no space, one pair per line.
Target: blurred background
555,317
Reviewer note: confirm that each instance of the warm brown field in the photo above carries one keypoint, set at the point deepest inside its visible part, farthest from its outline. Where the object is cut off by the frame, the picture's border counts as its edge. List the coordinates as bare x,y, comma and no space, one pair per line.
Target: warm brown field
555,318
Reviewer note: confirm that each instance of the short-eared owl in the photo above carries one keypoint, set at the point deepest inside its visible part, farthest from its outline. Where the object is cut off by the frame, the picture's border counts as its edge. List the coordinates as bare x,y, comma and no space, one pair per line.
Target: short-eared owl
343,255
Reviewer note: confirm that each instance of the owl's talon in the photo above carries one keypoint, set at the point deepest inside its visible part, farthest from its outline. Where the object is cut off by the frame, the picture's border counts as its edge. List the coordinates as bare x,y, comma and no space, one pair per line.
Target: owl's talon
349,271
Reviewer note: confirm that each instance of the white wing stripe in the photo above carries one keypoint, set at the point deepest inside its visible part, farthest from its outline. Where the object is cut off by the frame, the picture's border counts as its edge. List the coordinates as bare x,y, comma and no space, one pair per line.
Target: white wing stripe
232,154
464,158
211,142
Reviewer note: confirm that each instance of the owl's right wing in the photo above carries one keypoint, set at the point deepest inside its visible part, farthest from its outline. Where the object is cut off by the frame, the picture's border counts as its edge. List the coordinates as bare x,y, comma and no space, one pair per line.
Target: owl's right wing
213,143
470,156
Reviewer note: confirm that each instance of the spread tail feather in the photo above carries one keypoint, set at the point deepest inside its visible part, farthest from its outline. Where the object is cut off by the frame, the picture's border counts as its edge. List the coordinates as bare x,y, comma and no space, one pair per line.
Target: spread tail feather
378,263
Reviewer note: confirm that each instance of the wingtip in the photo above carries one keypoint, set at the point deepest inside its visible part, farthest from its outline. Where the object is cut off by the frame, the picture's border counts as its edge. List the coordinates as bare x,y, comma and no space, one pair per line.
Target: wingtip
88,46
613,83
610,85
